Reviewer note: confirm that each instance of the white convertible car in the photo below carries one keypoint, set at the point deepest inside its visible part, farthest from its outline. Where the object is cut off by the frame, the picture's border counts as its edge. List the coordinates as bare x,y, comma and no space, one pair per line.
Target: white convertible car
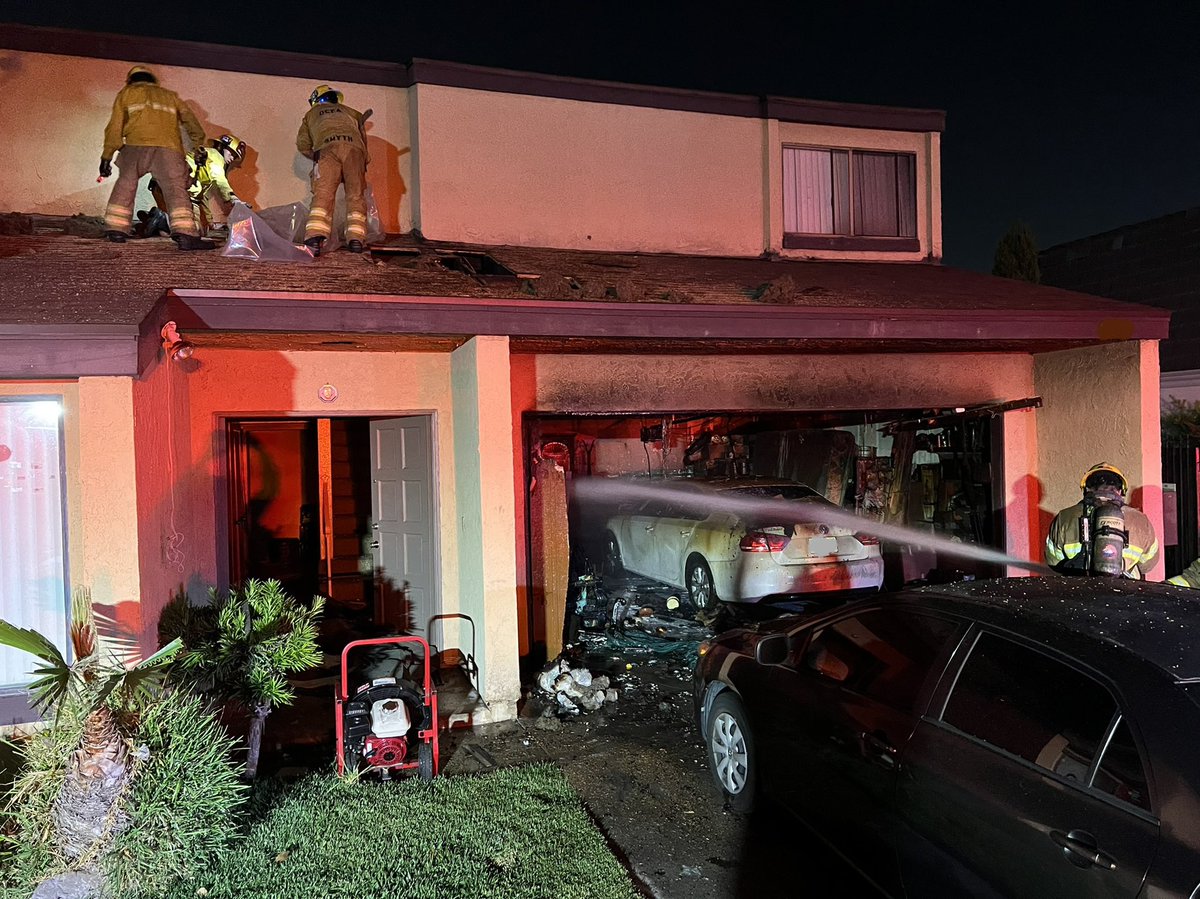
695,545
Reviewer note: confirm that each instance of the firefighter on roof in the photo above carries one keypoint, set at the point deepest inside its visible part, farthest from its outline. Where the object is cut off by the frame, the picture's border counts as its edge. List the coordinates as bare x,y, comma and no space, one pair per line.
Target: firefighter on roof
144,128
332,136
208,167
1100,534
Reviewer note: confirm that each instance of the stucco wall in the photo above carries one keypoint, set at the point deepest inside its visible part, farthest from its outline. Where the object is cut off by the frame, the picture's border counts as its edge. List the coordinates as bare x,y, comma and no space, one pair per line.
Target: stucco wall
53,148
1100,404
506,168
483,426
182,493
569,383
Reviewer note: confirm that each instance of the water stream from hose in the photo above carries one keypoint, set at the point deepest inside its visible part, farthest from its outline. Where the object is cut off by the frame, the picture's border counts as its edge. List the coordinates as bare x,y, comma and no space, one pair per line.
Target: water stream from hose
612,491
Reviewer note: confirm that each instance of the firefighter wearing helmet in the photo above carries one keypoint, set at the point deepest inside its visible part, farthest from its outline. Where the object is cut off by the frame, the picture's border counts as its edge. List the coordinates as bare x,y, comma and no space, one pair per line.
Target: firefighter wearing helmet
332,136
208,168
144,129
1100,535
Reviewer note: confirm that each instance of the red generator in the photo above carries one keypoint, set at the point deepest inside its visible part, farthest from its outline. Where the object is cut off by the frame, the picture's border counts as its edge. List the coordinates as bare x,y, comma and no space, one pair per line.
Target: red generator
389,724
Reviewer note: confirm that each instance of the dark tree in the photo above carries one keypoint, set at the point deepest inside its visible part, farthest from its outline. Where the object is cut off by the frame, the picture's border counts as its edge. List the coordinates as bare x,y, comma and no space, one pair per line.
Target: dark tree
1017,255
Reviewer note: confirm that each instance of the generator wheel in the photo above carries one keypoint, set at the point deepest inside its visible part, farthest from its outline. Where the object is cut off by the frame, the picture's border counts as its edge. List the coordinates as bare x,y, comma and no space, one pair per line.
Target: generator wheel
350,761
425,761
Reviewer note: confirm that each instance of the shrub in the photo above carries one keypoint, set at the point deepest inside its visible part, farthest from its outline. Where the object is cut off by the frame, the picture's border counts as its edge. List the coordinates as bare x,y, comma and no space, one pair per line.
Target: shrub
181,805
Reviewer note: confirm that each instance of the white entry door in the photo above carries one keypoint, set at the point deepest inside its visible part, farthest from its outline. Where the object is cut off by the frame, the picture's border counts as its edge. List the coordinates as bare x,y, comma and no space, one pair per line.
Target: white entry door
404,543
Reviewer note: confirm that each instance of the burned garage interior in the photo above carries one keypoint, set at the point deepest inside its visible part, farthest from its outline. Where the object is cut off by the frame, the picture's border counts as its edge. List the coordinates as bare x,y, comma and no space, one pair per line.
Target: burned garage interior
597,563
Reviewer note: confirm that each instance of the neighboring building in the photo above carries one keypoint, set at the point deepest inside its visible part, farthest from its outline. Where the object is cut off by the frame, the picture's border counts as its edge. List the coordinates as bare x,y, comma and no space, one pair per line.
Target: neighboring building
1155,262
576,262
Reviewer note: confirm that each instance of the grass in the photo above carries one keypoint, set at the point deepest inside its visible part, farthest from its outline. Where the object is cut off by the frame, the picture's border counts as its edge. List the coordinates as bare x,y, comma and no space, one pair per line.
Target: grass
518,833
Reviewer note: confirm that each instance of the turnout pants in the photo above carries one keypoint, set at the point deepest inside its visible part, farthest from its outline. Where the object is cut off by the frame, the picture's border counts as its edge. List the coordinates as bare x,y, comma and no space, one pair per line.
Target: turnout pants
339,164
170,170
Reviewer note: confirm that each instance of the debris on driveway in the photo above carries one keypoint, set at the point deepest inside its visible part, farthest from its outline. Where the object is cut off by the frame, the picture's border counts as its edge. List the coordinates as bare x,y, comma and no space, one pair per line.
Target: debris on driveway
575,689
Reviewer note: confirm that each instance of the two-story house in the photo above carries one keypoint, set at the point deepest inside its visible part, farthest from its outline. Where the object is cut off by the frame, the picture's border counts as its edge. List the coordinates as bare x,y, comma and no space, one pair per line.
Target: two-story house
571,262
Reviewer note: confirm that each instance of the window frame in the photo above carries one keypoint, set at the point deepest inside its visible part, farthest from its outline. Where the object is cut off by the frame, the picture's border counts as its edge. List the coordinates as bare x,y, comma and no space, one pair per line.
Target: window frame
15,702
933,677
936,711
803,240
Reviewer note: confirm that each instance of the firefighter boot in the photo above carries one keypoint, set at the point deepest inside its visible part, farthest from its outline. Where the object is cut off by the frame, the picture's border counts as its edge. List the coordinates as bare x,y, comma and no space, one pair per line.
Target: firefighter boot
192,242
115,236
354,246
314,244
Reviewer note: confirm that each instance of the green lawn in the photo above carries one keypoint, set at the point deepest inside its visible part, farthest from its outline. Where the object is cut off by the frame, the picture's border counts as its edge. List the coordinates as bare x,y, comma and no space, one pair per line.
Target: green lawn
518,833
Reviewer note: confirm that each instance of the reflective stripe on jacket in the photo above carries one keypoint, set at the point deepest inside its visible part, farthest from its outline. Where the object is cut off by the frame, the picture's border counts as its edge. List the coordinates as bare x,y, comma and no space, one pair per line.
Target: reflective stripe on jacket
148,115
1190,576
1062,543
328,123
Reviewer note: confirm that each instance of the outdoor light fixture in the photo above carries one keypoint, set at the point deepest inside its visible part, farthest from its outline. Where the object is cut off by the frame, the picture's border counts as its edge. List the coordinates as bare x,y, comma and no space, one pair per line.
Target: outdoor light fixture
176,348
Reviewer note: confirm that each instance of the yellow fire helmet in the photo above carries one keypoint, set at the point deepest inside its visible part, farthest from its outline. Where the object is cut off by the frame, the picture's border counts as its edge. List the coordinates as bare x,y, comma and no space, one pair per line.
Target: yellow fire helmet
319,93
146,74
1103,472
232,144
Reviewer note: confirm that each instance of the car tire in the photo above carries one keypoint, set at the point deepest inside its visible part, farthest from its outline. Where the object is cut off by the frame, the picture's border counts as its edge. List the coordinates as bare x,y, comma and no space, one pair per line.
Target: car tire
612,556
702,592
730,749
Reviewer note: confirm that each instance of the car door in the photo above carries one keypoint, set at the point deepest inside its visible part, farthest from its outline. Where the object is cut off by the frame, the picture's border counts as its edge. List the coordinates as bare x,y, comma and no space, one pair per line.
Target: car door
1027,782
639,550
846,707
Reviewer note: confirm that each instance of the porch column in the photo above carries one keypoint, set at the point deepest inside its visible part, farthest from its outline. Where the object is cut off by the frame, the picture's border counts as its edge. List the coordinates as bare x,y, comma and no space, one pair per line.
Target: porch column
486,507
107,563
1100,404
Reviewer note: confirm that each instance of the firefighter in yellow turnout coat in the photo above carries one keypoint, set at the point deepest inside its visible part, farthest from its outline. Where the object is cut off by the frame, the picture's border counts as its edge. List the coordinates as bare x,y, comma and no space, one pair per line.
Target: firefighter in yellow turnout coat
144,128
1064,549
332,136
207,169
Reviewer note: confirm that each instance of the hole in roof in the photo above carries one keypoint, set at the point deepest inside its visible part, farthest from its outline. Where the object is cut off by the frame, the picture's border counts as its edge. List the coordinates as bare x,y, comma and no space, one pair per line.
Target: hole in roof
475,264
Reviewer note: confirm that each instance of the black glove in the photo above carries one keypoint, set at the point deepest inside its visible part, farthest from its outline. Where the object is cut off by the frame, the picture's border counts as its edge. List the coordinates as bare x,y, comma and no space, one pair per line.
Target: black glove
200,155
105,168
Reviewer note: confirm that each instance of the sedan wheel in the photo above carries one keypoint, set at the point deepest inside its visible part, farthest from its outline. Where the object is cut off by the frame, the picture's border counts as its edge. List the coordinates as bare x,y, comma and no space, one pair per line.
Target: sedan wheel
730,752
700,587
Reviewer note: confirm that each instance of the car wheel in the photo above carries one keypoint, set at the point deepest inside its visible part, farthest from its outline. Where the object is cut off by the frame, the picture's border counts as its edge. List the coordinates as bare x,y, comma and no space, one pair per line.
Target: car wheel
612,556
700,588
731,752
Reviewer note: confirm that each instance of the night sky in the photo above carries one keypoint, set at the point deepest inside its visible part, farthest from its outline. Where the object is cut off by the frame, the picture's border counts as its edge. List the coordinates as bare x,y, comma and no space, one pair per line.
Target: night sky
1073,124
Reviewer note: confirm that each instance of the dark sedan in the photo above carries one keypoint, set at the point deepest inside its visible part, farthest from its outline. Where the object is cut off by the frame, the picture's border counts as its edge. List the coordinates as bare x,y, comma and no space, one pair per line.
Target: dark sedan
1022,737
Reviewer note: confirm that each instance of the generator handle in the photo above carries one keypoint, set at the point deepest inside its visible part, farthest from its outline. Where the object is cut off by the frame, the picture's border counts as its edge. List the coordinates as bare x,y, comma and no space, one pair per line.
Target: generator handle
344,687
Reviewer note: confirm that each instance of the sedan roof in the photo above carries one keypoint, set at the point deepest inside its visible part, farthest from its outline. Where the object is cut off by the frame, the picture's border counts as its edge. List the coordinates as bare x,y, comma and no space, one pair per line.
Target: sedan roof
1157,622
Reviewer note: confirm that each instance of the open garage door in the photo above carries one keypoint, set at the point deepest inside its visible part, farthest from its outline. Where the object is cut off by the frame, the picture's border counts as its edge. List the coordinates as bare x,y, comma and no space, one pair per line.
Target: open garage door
936,471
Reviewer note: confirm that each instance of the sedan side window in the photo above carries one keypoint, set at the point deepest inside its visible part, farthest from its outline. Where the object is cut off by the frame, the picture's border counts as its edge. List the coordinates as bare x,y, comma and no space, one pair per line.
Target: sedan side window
1032,706
884,654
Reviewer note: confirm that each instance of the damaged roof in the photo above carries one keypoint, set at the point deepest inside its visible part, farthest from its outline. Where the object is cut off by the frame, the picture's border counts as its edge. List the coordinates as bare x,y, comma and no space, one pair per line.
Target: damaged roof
51,284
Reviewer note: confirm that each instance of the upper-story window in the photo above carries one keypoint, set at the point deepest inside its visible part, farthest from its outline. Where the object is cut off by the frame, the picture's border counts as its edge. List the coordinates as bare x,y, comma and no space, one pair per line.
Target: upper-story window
849,199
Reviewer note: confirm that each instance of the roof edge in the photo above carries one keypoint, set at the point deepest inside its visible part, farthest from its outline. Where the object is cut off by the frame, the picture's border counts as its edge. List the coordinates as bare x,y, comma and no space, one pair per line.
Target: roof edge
222,57
391,313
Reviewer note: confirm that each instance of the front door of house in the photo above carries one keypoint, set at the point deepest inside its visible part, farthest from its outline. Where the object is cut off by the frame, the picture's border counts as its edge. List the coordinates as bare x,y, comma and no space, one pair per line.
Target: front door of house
402,524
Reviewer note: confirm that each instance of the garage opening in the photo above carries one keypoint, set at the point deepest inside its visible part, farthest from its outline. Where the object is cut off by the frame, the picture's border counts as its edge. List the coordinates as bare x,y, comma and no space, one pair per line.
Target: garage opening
932,470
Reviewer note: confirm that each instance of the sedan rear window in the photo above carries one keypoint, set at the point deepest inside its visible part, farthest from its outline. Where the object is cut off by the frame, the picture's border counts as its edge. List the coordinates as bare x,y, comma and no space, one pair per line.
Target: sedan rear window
776,491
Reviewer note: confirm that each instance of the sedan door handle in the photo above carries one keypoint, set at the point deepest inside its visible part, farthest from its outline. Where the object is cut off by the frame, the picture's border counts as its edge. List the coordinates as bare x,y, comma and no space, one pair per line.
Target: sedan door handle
649,527
877,749
1081,850
374,544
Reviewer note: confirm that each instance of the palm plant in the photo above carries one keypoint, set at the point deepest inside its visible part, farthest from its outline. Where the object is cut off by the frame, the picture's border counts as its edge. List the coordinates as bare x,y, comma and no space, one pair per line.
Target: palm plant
104,687
242,646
